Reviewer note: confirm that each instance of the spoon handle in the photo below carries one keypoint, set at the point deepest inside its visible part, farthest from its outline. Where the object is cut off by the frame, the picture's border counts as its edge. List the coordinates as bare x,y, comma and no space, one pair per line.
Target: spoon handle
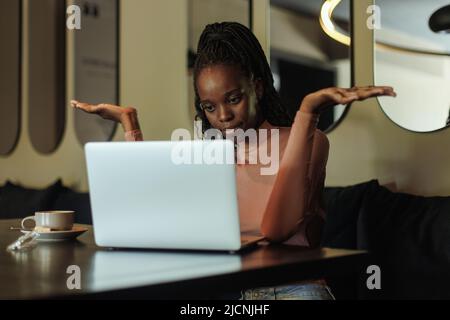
25,241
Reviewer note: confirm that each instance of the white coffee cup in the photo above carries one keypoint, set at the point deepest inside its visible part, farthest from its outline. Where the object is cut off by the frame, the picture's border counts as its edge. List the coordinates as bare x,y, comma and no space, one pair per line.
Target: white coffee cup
55,220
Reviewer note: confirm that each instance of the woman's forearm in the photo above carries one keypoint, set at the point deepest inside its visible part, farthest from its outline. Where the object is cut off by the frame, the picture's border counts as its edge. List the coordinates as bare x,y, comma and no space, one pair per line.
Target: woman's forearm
303,161
130,124
129,120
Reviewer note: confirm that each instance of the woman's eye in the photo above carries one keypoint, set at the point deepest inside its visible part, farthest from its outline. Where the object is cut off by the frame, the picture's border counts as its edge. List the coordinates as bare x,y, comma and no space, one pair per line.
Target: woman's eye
235,100
208,108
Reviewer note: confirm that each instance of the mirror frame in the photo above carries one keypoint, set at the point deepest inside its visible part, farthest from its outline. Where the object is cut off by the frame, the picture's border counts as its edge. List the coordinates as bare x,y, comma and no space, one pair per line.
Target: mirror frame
351,52
374,50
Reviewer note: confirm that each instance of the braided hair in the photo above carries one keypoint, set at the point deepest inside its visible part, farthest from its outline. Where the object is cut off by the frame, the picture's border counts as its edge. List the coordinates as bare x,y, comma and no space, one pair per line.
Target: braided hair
231,43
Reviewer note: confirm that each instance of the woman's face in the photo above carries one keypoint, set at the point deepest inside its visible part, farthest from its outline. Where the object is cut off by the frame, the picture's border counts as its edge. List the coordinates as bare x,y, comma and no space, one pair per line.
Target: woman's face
228,98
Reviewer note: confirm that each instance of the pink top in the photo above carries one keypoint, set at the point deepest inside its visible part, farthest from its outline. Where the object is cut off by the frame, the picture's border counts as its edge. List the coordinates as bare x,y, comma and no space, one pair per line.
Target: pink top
286,201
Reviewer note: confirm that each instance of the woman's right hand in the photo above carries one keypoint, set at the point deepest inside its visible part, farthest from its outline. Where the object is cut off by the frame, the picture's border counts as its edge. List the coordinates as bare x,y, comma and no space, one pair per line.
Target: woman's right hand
319,101
127,116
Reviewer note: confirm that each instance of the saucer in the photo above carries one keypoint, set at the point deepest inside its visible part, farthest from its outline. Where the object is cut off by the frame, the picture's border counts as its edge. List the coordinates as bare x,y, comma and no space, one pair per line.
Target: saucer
59,235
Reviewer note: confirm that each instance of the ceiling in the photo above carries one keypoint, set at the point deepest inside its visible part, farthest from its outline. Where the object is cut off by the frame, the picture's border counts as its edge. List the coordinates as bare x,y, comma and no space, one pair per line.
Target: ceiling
410,17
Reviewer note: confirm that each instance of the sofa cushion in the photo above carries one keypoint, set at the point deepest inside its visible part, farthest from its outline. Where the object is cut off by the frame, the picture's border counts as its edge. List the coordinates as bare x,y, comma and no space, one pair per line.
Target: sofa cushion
409,237
342,206
17,201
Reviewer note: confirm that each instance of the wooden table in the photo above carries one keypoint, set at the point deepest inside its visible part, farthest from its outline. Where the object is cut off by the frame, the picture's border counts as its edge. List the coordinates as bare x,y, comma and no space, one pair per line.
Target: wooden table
41,272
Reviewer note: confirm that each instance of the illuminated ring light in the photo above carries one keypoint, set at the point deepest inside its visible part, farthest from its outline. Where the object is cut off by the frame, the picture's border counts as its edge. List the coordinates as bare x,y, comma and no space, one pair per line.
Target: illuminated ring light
326,22
334,32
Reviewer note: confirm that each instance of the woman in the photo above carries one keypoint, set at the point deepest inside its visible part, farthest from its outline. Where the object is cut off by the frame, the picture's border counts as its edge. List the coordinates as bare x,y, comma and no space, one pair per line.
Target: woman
234,89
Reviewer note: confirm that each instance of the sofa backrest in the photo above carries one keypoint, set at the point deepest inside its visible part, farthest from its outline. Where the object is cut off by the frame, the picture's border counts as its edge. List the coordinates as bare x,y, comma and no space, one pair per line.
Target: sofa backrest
18,202
407,236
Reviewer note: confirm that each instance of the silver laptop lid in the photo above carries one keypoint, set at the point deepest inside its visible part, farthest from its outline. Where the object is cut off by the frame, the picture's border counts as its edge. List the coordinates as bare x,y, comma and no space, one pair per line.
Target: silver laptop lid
149,195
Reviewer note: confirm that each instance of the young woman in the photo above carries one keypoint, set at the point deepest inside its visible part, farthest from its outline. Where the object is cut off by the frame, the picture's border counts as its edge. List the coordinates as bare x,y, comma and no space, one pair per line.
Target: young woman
234,89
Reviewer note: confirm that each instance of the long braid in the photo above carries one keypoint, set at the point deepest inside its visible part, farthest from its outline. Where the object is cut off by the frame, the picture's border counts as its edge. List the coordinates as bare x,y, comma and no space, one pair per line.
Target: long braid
232,43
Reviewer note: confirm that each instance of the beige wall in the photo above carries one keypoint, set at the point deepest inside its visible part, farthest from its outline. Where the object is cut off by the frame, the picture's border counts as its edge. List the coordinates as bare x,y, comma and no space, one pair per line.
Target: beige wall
154,65
203,12
366,145
153,79
24,164
295,34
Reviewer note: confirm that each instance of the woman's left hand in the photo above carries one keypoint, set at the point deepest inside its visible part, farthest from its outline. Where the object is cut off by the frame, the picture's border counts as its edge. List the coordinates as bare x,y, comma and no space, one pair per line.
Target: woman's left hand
319,101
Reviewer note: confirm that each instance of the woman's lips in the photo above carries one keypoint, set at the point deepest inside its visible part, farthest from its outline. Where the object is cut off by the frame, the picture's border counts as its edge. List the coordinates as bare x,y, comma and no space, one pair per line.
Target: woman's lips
239,126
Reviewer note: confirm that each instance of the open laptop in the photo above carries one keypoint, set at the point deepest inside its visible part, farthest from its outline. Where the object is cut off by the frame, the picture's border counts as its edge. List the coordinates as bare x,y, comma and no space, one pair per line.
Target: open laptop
165,195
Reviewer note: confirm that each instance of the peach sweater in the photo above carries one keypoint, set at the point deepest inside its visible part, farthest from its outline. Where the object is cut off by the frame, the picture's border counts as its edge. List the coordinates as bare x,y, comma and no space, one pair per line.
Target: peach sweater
289,198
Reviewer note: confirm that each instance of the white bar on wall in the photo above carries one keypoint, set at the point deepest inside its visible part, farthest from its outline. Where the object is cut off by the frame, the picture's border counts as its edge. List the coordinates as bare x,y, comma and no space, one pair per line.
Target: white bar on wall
261,24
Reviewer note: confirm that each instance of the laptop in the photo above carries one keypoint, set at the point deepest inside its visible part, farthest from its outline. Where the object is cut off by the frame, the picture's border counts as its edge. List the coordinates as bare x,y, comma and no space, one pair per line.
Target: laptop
165,195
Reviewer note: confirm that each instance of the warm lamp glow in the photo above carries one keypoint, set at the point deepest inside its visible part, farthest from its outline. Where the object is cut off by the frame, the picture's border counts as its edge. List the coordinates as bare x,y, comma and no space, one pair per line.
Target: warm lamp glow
327,24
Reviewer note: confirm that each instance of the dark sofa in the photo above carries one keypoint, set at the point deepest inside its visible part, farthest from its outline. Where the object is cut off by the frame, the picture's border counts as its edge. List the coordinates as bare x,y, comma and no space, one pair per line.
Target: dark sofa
407,236
17,201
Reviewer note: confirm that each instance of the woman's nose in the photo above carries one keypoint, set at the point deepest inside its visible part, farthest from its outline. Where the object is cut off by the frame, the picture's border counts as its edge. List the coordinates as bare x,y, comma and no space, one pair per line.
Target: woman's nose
225,114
